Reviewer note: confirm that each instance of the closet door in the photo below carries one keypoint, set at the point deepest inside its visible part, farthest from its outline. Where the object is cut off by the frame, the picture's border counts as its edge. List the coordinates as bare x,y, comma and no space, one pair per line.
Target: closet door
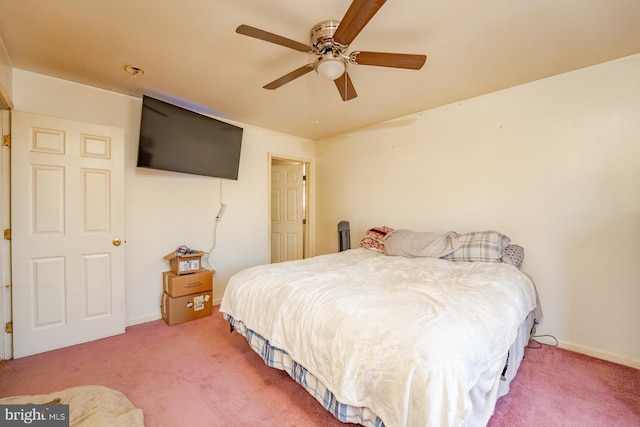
67,225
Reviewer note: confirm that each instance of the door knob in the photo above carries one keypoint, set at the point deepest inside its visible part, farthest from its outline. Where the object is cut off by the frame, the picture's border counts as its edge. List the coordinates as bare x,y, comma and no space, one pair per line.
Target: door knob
116,242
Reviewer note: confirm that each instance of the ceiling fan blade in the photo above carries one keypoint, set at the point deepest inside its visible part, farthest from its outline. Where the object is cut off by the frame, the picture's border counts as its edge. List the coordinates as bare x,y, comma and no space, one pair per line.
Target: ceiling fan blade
358,15
289,77
395,60
345,87
272,38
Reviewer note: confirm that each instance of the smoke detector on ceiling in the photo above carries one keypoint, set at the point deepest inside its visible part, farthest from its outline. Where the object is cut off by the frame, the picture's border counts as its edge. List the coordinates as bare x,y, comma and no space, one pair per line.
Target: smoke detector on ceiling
134,71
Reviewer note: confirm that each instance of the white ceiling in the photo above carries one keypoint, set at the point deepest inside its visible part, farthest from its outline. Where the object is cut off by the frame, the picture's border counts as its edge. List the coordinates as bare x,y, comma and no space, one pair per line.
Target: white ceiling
193,57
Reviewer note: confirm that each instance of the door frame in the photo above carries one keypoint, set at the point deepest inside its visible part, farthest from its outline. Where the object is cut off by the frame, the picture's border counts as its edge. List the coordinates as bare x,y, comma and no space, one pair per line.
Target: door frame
6,338
308,233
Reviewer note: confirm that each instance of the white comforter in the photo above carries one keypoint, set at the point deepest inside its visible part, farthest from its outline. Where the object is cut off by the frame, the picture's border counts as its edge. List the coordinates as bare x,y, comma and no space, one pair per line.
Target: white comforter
420,341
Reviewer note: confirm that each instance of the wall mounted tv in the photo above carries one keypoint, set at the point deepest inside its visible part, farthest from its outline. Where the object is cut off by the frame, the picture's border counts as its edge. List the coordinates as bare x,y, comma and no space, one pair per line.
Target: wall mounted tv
175,139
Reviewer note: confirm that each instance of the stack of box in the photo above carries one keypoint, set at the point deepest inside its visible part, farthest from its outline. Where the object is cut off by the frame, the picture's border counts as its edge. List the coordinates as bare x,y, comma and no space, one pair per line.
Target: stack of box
187,289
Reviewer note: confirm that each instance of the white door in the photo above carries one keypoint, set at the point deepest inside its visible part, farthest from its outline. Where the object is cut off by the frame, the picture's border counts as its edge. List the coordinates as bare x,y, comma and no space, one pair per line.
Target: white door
287,212
67,219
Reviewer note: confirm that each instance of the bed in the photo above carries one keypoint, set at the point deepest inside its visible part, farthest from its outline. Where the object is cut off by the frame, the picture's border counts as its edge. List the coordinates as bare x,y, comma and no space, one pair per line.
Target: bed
425,332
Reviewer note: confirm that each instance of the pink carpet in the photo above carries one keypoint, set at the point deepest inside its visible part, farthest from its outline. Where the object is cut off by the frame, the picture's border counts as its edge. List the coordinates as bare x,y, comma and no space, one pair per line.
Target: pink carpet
198,374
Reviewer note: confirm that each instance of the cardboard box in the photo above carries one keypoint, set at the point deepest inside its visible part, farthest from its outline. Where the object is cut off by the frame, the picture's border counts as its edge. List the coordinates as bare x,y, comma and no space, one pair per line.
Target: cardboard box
184,264
185,308
177,285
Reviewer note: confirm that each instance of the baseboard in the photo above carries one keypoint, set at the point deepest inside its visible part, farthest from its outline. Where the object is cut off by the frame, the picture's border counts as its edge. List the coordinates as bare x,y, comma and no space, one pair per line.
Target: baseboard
145,319
152,317
600,354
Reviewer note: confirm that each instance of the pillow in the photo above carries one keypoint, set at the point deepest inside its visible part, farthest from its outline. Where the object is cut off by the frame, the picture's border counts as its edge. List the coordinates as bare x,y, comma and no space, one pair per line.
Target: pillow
513,254
374,238
483,246
420,244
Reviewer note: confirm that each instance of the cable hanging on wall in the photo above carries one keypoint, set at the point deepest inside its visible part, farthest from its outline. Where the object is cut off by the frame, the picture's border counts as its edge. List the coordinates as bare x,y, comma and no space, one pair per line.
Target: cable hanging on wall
217,219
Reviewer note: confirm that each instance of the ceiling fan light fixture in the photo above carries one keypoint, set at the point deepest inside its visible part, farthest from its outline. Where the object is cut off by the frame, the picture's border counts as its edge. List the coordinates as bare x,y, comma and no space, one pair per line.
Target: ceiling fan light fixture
329,42
330,67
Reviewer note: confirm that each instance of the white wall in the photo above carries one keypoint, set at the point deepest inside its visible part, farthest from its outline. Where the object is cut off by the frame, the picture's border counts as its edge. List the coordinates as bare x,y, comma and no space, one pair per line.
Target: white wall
554,164
166,209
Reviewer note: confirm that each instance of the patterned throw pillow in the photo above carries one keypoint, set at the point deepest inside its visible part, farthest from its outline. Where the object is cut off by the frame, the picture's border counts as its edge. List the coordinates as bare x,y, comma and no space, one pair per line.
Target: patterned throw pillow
513,254
483,246
374,238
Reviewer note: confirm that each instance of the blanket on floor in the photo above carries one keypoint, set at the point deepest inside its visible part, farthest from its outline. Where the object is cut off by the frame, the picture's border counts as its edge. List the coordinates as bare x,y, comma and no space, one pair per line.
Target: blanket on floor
94,406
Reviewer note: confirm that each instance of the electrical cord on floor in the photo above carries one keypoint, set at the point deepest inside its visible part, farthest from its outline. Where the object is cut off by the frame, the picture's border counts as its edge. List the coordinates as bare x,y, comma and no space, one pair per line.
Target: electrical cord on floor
540,344
533,336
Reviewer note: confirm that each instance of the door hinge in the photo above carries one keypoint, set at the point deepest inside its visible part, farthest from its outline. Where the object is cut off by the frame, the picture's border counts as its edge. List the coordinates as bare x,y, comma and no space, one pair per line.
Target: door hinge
8,327
7,234
6,140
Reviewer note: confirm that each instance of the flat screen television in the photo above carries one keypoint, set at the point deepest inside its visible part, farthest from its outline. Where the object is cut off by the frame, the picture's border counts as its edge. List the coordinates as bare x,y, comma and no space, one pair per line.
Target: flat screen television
175,139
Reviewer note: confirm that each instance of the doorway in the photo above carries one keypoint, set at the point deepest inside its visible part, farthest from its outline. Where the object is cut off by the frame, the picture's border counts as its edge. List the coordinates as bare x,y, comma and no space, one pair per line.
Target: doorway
289,190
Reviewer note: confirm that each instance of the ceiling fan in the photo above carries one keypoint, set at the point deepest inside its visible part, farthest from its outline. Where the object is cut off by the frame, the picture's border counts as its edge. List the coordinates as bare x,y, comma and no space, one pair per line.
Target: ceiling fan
329,42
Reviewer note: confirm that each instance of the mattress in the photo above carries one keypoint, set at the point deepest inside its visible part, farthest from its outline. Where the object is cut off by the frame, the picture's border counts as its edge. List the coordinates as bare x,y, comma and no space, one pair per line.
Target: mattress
413,341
